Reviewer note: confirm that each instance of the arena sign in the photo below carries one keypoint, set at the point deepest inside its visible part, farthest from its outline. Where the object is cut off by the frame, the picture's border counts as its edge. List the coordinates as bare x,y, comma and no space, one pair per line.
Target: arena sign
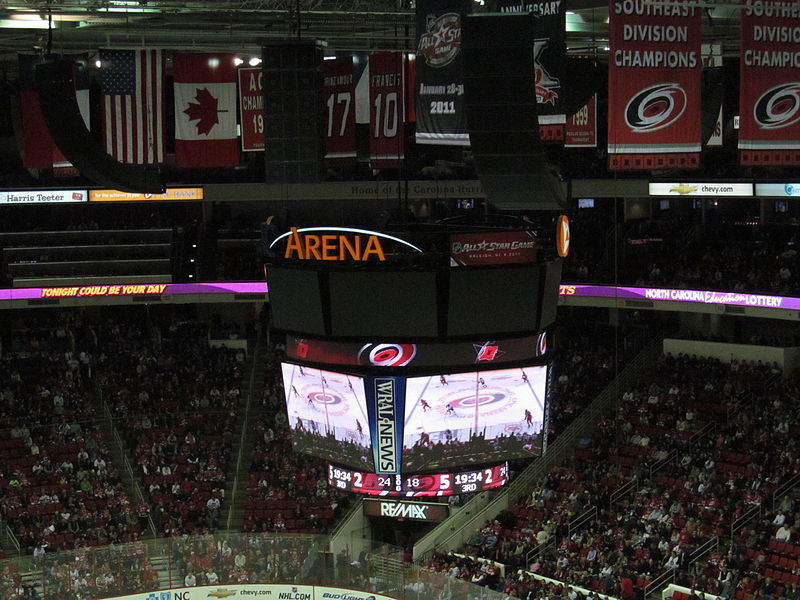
337,244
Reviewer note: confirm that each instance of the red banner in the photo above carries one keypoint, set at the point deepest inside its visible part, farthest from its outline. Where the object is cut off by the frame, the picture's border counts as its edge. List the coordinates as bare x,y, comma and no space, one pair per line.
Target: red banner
769,92
251,108
654,83
387,112
581,129
340,113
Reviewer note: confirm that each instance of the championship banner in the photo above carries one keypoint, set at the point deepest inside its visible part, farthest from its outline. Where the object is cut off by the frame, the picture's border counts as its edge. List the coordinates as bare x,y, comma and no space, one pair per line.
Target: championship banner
549,52
386,409
251,108
387,95
654,83
439,78
581,129
340,113
769,89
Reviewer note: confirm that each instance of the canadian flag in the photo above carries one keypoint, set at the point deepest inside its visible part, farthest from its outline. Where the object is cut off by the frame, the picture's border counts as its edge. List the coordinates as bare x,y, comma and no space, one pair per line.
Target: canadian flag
205,110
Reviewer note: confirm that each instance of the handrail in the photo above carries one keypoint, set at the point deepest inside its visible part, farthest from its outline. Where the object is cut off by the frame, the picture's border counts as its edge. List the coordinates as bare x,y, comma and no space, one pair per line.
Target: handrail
666,577
232,501
744,519
13,539
538,551
660,464
704,549
623,490
782,489
581,519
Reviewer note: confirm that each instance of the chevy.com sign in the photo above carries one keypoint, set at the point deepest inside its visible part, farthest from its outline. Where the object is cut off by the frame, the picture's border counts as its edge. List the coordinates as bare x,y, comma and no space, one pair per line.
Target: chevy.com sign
43,196
701,189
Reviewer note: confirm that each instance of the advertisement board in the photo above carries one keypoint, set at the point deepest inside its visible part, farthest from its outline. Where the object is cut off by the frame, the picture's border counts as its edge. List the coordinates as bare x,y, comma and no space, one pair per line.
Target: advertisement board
169,194
701,189
42,196
778,190
267,591
413,511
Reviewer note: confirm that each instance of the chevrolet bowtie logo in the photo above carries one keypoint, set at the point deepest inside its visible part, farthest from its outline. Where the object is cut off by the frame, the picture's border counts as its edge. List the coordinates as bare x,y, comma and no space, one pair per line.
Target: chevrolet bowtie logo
683,188
220,593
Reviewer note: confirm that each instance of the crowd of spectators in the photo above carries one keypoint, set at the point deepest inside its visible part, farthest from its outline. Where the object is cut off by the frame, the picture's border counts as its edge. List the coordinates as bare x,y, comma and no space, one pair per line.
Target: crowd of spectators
175,402
684,459
287,491
59,487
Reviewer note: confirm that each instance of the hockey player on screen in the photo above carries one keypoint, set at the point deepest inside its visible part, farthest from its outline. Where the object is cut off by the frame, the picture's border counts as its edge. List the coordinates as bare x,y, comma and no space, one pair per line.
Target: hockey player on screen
442,380
296,394
524,377
450,410
482,382
424,404
528,417
359,429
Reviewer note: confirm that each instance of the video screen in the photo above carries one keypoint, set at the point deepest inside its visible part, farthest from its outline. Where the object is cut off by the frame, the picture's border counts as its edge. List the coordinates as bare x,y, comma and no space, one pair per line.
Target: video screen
327,414
473,418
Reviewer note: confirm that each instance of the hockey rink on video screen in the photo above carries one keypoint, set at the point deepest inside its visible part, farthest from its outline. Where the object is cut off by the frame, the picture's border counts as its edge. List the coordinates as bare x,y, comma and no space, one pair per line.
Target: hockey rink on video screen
327,402
501,400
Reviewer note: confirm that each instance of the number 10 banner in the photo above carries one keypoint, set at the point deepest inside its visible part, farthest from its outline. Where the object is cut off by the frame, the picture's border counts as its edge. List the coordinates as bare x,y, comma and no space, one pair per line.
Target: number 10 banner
387,114
251,108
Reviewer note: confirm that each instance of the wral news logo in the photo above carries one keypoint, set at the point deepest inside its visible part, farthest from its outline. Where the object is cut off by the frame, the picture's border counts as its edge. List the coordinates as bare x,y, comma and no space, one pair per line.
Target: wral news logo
441,42
387,459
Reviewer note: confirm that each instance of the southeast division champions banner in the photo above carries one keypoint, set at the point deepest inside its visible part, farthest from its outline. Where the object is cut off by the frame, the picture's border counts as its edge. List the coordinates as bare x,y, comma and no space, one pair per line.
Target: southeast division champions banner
549,52
439,73
654,83
769,89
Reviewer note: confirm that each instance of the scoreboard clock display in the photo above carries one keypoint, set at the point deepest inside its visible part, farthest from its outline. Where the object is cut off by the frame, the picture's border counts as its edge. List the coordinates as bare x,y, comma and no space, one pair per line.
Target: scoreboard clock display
437,484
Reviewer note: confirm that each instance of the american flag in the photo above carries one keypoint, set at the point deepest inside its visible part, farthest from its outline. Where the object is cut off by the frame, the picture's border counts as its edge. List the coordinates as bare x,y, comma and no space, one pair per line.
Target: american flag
132,83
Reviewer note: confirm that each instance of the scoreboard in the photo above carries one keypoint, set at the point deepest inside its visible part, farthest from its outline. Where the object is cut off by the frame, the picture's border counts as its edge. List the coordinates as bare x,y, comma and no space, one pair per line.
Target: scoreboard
412,486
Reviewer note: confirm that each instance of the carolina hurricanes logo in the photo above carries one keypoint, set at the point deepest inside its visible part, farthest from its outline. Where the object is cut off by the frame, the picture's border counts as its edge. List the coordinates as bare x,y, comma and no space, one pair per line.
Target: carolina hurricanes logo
547,86
387,355
655,107
778,107
542,343
441,42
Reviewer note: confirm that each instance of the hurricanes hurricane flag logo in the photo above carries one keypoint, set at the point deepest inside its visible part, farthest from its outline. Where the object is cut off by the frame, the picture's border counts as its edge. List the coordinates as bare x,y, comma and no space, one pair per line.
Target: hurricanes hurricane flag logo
778,107
547,86
487,352
204,110
655,107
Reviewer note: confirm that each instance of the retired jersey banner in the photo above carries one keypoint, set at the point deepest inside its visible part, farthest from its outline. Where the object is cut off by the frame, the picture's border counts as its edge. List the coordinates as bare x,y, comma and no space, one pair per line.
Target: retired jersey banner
340,113
769,92
387,95
654,83
581,129
439,73
549,57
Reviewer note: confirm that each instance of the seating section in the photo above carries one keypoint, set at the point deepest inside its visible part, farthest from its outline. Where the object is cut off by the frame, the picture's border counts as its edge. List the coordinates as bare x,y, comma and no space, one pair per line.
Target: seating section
175,401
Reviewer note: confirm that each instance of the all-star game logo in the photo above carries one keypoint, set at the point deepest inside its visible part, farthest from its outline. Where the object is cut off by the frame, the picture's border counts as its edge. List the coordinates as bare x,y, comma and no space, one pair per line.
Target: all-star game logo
547,86
441,42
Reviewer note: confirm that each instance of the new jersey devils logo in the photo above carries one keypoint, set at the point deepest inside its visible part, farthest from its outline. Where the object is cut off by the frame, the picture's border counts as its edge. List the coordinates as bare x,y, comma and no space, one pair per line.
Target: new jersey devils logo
778,107
387,355
655,107
441,42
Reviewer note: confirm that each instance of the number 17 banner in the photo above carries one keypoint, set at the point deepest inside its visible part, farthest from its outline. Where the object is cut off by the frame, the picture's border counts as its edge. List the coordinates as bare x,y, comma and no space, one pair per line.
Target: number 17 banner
340,113
251,108
387,115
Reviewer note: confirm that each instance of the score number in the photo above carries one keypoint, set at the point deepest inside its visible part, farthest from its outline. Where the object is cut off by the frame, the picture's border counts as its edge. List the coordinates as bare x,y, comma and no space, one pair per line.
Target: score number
440,484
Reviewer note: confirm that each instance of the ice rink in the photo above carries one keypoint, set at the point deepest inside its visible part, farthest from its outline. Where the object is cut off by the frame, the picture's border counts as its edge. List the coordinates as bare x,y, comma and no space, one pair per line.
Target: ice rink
491,409
327,402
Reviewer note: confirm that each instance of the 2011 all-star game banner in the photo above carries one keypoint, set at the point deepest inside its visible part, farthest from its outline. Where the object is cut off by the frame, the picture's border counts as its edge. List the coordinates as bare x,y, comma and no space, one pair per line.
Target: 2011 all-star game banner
439,77
654,83
769,92
549,55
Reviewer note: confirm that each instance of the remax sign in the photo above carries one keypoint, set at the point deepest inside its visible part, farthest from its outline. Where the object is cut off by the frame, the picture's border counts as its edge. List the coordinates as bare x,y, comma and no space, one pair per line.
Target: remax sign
413,511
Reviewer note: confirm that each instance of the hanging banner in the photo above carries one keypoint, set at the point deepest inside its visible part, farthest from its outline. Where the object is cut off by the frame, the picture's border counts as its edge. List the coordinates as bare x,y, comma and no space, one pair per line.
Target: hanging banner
439,79
654,83
251,108
340,112
387,109
769,89
549,52
581,129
